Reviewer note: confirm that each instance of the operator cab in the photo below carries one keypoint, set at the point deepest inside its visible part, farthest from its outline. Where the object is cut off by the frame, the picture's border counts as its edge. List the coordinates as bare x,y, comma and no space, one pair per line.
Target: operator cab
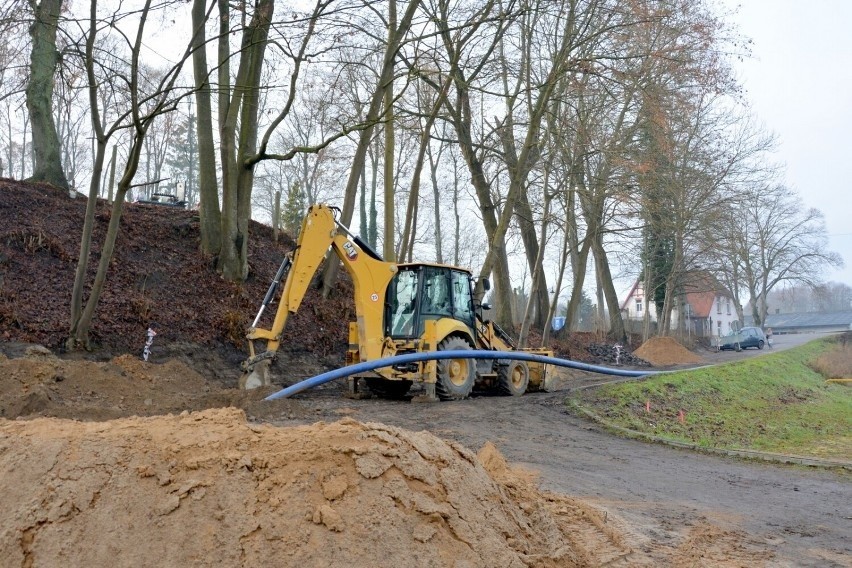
422,292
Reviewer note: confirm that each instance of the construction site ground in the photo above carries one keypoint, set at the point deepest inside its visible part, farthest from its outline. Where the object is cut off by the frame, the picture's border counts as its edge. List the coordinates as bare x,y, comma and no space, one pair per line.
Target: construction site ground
109,460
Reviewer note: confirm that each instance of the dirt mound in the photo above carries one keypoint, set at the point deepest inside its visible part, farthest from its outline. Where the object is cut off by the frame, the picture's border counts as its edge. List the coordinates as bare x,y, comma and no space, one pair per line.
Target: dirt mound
208,488
663,351
159,278
39,384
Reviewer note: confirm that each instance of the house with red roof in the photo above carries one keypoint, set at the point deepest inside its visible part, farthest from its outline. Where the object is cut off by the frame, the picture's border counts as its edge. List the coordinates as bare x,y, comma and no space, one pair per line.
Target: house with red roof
709,309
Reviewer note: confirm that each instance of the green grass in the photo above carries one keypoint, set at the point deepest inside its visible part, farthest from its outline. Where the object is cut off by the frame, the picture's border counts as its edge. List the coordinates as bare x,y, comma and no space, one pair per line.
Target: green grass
772,403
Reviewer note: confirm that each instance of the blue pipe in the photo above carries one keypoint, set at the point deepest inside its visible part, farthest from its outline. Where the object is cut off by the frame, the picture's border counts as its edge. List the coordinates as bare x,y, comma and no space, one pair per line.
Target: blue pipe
438,355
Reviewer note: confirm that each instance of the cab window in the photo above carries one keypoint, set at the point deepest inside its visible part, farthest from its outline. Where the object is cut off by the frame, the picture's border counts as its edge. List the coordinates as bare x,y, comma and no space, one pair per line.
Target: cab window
437,299
462,297
402,295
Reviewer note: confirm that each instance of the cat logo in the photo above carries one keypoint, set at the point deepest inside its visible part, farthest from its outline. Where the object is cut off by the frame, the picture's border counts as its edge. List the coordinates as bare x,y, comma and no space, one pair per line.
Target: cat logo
351,253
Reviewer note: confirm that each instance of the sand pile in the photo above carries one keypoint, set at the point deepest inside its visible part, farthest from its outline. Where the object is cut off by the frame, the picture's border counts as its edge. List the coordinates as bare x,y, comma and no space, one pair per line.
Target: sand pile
663,351
210,489
41,385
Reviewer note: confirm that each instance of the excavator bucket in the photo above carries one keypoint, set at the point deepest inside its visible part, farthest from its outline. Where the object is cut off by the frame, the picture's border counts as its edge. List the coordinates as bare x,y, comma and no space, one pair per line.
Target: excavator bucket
255,377
541,376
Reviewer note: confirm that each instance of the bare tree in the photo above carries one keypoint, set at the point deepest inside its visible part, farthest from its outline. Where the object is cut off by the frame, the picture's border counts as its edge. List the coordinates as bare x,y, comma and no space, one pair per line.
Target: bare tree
473,51
779,241
372,117
150,99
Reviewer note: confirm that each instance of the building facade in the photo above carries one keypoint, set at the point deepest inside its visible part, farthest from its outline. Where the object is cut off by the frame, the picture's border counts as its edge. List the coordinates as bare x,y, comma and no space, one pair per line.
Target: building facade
709,310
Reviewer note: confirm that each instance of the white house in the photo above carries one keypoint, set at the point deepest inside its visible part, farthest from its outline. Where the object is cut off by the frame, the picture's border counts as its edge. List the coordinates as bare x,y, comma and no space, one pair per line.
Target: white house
709,307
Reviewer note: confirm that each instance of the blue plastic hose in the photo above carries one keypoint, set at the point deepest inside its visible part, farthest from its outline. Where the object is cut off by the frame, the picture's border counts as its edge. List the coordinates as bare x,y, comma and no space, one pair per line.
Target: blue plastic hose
439,355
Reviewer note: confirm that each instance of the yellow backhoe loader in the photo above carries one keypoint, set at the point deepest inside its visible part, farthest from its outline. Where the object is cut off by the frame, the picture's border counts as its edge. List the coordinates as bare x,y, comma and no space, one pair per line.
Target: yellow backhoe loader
400,308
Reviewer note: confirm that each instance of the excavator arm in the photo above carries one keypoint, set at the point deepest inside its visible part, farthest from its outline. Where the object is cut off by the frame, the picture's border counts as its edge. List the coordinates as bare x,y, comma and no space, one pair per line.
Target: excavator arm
370,275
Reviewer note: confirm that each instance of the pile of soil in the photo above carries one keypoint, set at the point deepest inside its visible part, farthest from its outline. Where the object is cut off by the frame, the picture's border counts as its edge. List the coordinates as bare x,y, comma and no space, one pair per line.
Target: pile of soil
208,488
158,279
39,384
665,351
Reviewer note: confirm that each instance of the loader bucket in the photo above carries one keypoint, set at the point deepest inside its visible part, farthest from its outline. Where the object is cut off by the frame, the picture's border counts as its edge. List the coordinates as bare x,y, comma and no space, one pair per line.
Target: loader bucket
539,375
256,377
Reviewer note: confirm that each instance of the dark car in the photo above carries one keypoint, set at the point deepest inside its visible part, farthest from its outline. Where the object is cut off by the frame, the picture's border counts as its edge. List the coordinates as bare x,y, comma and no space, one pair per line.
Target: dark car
165,199
746,337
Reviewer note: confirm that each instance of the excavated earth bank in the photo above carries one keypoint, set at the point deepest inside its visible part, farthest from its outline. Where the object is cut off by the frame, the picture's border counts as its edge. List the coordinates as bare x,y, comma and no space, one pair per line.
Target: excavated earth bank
93,474
208,488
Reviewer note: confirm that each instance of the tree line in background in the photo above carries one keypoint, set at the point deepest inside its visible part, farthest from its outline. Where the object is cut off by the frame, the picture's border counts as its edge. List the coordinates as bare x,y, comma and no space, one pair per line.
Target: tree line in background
559,142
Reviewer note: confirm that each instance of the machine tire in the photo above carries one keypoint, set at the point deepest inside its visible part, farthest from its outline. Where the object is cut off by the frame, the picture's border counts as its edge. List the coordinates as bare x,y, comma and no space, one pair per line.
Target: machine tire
386,388
513,379
455,376
760,344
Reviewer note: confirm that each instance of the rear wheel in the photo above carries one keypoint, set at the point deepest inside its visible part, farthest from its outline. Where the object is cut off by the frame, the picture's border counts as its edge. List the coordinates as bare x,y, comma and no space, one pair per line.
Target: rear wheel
455,376
513,379
386,388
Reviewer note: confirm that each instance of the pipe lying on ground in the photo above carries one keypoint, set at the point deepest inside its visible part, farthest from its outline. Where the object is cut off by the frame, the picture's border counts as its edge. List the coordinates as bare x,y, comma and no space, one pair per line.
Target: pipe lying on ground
439,355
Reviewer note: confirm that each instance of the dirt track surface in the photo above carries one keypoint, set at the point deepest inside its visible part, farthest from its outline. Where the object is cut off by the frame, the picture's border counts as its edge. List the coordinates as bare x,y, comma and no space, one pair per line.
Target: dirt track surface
611,500
726,510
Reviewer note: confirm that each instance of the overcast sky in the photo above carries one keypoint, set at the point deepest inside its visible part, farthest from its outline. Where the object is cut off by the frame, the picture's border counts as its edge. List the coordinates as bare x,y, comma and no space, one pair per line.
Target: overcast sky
799,80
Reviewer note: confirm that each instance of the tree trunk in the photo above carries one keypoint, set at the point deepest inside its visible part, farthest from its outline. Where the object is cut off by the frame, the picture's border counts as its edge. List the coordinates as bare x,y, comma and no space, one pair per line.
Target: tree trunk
276,215
616,323
362,207
523,215
572,316
499,261
75,338
554,301
436,197
81,318
456,214
83,325
100,141
390,144
39,94
208,189
538,281
372,229
238,177
112,173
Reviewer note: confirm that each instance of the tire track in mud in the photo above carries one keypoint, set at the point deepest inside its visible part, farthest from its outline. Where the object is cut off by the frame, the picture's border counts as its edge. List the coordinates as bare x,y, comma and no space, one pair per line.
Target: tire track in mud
670,498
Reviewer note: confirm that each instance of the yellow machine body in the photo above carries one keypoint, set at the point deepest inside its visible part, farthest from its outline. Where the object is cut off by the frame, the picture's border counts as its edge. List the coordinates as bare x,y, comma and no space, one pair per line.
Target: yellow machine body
381,328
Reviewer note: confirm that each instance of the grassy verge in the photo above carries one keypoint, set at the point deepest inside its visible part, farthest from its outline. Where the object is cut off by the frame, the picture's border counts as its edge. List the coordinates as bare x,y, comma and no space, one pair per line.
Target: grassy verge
772,403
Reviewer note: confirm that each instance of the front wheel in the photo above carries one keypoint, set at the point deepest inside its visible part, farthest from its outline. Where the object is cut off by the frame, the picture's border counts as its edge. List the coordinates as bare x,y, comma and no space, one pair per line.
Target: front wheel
455,376
760,344
513,379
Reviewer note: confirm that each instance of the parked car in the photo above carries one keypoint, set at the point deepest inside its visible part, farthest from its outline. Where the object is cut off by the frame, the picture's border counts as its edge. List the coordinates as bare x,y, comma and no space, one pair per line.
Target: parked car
746,337
165,199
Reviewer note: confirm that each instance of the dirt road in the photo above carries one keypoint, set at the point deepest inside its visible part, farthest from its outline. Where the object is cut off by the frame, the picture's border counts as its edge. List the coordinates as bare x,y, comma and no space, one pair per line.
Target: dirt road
797,516
779,343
